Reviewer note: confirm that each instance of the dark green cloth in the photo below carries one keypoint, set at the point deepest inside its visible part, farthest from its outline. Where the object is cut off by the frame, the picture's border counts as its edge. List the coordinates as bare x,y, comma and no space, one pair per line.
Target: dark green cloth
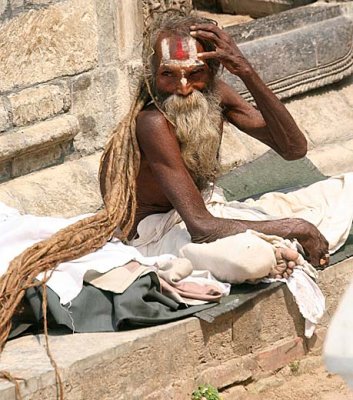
268,173
96,310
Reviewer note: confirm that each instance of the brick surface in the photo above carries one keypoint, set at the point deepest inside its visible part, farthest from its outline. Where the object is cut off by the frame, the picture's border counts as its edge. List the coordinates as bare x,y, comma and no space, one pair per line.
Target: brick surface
227,373
280,354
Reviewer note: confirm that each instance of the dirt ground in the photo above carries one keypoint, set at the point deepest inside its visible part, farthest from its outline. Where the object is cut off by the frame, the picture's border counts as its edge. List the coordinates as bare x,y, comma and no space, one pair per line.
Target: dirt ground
306,379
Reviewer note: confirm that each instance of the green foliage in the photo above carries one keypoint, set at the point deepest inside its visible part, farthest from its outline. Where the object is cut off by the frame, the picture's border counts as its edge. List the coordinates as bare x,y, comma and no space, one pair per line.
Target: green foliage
294,367
206,392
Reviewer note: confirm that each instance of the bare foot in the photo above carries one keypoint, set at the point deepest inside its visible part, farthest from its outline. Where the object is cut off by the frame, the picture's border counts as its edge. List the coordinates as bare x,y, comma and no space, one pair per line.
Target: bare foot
286,261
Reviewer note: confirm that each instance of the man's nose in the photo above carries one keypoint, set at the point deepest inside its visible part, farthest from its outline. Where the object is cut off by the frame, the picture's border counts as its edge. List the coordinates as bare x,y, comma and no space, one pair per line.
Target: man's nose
184,89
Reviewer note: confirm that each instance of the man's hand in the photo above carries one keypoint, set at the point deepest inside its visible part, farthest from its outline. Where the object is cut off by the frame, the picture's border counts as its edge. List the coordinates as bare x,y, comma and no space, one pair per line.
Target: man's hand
314,243
226,51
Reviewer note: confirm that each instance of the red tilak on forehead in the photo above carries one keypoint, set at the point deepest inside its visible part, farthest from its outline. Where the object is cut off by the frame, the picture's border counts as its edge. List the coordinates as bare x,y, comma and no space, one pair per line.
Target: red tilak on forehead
180,53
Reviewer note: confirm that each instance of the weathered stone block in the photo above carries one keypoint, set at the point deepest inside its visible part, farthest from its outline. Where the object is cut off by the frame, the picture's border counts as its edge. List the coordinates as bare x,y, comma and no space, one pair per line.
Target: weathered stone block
316,342
238,148
65,190
333,158
16,4
233,371
129,30
36,160
98,117
281,354
5,171
36,104
5,122
260,8
48,43
326,117
265,384
3,5
39,136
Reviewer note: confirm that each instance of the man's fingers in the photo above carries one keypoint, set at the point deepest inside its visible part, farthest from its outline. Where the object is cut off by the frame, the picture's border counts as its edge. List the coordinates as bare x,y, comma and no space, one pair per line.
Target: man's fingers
207,55
207,27
211,28
208,36
325,260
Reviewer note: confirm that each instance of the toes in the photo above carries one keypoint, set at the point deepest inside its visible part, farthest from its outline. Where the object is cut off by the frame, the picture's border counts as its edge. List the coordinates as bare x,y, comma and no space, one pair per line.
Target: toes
281,267
289,254
278,254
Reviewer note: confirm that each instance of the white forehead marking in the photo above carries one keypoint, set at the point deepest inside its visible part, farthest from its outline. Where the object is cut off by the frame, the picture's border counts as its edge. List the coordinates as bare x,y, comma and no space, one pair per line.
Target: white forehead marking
183,80
189,46
165,50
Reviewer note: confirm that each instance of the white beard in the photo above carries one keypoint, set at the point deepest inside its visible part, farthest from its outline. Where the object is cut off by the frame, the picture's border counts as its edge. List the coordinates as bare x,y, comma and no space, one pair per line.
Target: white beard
198,124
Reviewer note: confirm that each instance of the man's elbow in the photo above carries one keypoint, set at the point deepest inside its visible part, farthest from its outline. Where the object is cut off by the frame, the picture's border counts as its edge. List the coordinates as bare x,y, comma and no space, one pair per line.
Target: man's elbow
295,153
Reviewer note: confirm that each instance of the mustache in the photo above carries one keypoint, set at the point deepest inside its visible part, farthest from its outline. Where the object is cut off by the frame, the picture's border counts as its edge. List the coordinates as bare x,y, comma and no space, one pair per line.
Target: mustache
181,104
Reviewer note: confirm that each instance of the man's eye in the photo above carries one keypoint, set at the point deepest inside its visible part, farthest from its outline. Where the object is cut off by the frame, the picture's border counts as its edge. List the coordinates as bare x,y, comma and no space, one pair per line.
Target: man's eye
167,73
196,72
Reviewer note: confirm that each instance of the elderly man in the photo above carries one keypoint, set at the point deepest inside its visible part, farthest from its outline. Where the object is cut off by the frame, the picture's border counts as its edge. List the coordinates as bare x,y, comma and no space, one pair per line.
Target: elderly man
179,135
156,172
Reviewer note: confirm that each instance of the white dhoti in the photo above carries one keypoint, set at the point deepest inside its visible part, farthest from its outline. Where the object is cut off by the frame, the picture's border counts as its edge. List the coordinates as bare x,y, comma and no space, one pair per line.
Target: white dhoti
247,256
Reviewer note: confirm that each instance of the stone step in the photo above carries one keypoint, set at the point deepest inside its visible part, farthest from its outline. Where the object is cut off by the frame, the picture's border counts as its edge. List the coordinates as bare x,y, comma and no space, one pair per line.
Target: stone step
37,146
169,361
65,190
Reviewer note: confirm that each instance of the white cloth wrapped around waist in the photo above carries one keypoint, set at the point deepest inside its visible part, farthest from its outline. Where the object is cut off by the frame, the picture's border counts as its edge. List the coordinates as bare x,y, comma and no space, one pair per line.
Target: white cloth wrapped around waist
327,204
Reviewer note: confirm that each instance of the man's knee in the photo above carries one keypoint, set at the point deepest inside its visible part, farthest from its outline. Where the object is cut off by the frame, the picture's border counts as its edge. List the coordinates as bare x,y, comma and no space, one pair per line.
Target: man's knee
233,259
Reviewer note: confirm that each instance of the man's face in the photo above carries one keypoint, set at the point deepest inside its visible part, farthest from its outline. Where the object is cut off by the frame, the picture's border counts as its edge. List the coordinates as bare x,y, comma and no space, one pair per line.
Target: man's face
178,70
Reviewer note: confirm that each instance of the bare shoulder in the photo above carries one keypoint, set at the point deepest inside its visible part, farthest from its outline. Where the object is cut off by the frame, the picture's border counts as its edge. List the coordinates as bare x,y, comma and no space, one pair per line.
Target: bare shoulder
150,120
154,133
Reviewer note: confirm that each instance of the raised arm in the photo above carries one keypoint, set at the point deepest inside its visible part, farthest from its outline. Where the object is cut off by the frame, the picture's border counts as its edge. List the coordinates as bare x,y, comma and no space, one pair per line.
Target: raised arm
271,123
160,148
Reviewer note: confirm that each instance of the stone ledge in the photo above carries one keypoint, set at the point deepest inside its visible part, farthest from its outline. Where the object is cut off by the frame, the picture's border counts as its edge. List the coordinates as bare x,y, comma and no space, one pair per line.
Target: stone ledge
36,104
317,54
42,135
169,361
65,190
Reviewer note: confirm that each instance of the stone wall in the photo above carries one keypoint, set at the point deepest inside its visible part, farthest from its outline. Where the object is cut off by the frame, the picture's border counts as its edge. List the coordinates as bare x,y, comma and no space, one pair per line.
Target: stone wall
66,78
